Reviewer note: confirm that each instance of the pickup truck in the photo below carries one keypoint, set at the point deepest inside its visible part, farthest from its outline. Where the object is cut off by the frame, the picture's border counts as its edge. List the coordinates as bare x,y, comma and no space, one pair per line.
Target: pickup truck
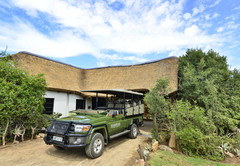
93,129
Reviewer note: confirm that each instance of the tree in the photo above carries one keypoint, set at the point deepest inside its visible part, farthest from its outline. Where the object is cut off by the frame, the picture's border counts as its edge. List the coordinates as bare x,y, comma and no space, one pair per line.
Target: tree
205,78
195,67
20,93
156,102
208,104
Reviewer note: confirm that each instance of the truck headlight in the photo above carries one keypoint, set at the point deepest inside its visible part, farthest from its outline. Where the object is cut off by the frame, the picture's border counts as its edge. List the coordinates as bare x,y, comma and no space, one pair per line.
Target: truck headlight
81,128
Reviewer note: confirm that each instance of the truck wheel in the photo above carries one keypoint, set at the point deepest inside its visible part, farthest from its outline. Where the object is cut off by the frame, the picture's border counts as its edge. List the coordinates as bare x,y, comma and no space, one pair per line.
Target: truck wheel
59,147
134,131
96,146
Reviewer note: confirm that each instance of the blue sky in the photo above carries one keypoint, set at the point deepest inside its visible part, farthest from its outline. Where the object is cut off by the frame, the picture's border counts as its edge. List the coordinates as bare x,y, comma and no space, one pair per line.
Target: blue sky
92,33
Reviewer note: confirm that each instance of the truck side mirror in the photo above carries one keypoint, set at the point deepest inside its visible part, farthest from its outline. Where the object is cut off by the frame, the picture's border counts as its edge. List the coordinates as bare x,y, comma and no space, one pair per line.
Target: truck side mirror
114,113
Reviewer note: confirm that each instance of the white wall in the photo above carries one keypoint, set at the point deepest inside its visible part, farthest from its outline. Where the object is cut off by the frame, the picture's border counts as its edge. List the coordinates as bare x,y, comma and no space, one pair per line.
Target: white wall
74,97
72,101
64,102
88,103
60,101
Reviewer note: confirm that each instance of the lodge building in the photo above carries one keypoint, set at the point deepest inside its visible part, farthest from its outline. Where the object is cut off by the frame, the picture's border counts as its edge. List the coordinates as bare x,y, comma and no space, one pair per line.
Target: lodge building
65,82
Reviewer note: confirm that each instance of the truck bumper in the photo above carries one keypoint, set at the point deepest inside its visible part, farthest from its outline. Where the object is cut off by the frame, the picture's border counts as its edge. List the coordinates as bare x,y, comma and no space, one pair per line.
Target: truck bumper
67,141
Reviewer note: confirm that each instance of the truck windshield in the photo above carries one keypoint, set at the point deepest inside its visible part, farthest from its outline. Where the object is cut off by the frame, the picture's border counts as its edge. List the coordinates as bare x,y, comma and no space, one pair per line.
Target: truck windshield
87,111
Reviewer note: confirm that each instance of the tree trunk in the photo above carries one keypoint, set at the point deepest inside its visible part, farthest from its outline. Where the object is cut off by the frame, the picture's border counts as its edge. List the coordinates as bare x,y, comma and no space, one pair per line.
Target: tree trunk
4,134
216,129
23,133
14,138
33,131
16,133
155,123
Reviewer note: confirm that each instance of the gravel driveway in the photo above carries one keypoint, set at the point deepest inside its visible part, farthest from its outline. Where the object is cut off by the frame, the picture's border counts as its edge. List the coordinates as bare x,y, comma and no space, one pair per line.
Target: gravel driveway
118,152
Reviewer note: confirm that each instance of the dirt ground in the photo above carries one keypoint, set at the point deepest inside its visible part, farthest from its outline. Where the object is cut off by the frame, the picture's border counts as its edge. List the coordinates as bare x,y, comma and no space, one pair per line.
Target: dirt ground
120,151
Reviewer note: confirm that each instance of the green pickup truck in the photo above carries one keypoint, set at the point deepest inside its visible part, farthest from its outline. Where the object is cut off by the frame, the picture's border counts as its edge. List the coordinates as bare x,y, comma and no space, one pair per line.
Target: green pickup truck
92,129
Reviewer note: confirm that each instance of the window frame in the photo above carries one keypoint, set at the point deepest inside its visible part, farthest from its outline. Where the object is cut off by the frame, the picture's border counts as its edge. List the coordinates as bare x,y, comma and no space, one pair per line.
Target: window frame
51,107
83,102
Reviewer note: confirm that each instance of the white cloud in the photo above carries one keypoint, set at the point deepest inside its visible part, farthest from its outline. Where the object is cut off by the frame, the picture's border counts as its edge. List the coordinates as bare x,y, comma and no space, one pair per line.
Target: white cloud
207,48
101,64
177,53
205,25
115,57
237,8
236,66
220,29
29,39
233,60
85,28
187,16
209,16
216,2
233,46
116,25
215,15
119,57
232,25
192,31
233,17
197,10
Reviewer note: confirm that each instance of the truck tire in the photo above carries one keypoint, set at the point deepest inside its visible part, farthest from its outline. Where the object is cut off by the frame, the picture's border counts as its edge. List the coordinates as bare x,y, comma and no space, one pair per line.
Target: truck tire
133,132
96,146
59,147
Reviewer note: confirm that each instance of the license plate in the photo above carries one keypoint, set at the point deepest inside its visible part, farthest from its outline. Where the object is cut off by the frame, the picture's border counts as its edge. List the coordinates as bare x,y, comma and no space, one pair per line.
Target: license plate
59,139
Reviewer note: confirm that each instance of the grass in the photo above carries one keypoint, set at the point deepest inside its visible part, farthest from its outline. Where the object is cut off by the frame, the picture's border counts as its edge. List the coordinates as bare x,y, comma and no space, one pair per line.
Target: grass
167,158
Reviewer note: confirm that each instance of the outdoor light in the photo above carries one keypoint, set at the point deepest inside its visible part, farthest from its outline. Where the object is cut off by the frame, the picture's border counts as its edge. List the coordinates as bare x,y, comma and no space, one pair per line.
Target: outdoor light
81,128
77,141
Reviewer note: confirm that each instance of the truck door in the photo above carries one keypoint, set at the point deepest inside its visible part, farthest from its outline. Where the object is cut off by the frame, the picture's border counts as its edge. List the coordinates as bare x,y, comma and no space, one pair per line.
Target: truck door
115,122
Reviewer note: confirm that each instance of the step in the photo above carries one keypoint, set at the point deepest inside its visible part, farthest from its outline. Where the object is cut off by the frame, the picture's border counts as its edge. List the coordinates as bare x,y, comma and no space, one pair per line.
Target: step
119,134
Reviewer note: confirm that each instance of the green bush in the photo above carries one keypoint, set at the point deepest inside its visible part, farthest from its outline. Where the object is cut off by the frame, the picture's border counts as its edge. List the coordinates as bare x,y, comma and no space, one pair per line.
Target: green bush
21,100
195,133
194,143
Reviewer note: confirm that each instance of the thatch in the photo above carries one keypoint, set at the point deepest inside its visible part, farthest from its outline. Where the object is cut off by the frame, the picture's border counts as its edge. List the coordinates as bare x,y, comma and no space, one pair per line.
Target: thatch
64,77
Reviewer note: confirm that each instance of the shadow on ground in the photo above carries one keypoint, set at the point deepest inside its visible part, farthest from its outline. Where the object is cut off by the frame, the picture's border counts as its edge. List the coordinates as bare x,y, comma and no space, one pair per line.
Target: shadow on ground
78,154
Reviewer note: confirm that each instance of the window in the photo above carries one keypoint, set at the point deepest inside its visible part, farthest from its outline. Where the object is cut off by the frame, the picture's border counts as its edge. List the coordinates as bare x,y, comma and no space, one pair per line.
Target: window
48,105
80,104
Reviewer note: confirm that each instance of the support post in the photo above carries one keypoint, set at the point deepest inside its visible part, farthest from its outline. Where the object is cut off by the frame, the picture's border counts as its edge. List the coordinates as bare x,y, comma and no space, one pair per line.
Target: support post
96,100
124,103
107,100
138,106
132,104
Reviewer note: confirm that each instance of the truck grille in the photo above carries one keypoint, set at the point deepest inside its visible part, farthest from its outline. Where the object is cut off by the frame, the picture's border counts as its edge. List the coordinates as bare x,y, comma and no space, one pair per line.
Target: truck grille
59,127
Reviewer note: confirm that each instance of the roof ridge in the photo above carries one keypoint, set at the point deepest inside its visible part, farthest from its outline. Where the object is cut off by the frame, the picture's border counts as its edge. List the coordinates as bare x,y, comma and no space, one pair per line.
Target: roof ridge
148,62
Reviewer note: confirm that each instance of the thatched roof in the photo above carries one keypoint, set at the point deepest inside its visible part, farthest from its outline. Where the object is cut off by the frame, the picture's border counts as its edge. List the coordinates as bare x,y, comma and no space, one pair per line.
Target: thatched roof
64,77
